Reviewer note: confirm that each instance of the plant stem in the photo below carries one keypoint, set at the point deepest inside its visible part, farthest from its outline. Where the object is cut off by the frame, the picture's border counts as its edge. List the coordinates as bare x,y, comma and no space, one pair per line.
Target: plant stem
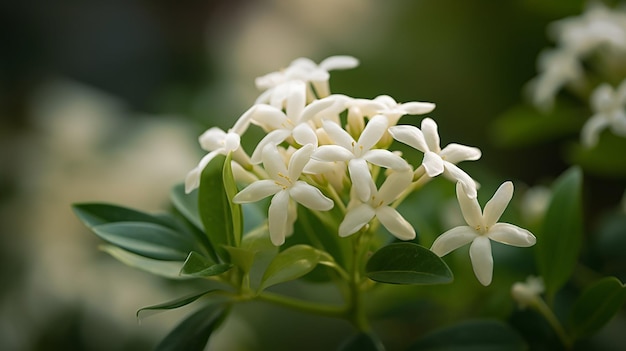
554,322
317,308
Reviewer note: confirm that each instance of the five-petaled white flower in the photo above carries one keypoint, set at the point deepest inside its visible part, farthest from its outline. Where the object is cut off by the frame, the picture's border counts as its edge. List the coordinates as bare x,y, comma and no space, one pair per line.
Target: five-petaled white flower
483,227
361,213
436,160
358,153
609,106
286,188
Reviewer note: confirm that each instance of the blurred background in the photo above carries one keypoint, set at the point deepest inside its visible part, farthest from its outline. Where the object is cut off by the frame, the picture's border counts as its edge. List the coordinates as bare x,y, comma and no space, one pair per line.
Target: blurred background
104,100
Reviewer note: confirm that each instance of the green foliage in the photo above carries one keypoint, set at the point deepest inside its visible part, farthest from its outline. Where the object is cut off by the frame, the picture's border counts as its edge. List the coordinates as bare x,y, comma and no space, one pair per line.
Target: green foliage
199,266
94,214
407,263
483,335
167,269
180,302
604,159
596,306
362,342
559,242
290,264
193,333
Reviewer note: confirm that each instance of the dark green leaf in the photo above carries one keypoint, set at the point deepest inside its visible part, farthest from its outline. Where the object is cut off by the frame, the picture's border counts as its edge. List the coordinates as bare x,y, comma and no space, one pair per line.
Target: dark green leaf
167,269
186,204
230,187
146,239
93,214
479,335
290,264
193,333
170,305
362,342
199,266
596,306
407,263
558,243
605,159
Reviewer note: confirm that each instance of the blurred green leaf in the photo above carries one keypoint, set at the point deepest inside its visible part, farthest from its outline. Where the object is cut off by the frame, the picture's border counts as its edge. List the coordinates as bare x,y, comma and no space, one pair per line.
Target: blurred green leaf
146,239
483,335
524,125
186,204
235,209
290,264
94,214
167,269
559,242
611,236
199,266
596,306
193,333
170,305
362,342
605,159
407,263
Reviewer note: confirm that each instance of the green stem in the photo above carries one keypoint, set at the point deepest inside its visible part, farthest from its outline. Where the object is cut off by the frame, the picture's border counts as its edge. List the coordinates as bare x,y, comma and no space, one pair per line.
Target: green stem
554,322
356,310
316,308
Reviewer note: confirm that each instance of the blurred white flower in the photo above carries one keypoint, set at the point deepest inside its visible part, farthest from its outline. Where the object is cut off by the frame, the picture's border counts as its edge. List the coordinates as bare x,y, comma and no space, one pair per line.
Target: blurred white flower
527,293
557,67
285,188
361,213
483,227
437,161
609,107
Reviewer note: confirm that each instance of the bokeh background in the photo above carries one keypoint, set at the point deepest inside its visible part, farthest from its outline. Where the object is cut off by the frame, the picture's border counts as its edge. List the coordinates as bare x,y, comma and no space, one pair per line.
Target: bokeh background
104,100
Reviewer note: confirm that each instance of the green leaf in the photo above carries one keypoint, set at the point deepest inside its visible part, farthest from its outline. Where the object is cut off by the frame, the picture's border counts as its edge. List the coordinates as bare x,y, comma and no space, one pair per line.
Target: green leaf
235,209
170,305
290,264
193,333
167,269
146,239
199,266
186,204
605,159
559,241
483,335
214,207
596,306
407,263
362,342
94,214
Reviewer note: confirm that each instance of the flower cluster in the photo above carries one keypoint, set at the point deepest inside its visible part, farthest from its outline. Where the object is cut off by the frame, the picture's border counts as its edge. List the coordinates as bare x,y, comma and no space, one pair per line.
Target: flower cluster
325,151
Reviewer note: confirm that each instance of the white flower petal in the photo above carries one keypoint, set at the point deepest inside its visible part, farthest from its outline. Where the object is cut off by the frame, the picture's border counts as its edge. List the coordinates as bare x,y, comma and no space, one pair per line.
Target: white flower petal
455,153
231,142
298,161
314,108
278,217
602,98
243,122
212,139
409,135
355,219
387,159
452,240
373,131
303,134
511,235
482,260
310,196
273,138
332,153
192,180
457,175
498,203
361,178
469,207
591,130
338,134
257,191
393,186
433,164
395,223
417,108
296,99
338,62
268,117
431,135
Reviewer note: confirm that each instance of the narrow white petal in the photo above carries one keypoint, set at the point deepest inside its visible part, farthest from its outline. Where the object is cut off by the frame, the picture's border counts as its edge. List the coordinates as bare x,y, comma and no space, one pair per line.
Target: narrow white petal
212,139
373,131
591,130
278,215
303,134
339,62
268,117
469,207
511,235
431,135
452,240
498,203
361,178
457,175
296,99
257,191
355,219
273,138
602,97
387,159
455,153
322,89
338,134
395,223
433,164
243,122
482,260
394,185
332,153
314,108
298,161
192,180
409,135
231,142
417,108
310,196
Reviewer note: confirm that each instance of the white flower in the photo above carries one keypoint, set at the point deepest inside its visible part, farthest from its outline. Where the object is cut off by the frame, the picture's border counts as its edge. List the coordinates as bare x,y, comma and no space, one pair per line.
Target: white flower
393,110
609,106
358,153
302,70
437,161
527,293
219,142
378,206
482,227
558,67
285,188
